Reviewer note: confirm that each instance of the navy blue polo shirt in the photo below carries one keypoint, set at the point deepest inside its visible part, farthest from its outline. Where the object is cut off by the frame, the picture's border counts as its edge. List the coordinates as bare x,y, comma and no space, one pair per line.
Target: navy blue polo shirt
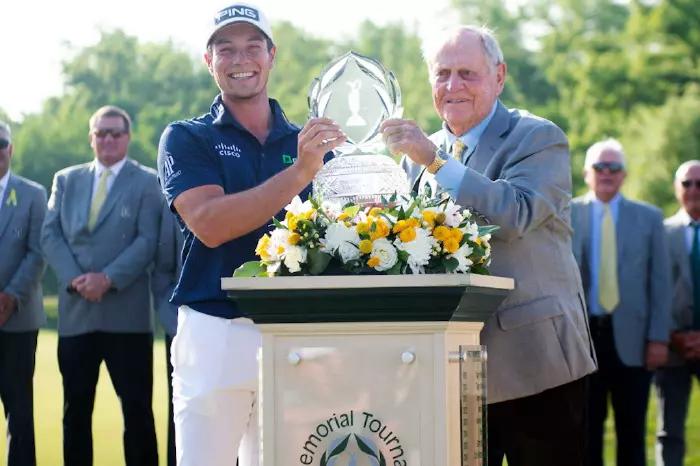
216,149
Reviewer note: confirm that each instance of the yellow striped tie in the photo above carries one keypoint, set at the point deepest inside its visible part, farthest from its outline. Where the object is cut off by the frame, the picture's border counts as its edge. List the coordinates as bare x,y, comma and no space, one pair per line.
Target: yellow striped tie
608,292
458,149
99,199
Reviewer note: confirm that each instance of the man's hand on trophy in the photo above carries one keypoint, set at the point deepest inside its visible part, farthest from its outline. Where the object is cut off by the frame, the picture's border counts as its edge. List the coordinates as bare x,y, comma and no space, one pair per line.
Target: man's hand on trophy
405,137
316,139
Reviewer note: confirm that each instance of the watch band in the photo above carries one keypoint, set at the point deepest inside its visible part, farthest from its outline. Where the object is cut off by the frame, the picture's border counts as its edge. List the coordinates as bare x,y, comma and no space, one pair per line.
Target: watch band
437,163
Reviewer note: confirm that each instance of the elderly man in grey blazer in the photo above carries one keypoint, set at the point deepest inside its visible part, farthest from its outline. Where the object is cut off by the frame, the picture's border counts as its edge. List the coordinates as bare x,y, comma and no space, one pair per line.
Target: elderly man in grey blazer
621,250
512,168
22,210
674,380
100,236
166,272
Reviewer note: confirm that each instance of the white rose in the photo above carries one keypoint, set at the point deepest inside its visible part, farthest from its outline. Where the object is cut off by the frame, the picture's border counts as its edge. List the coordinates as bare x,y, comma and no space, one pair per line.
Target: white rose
348,252
338,235
383,250
294,256
419,250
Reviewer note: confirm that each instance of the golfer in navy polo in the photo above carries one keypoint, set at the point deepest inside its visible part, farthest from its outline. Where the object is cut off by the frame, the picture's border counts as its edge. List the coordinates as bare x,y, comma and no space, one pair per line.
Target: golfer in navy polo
225,174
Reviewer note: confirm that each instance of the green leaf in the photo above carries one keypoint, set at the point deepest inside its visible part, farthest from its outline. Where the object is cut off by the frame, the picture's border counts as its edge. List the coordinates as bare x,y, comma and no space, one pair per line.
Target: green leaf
251,269
318,261
351,211
479,269
393,197
396,269
488,229
403,255
451,264
278,224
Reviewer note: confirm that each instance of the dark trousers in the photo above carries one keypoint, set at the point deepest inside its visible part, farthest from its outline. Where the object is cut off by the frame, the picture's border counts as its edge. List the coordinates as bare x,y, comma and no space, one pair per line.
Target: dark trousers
171,425
628,390
17,359
129,360
547,429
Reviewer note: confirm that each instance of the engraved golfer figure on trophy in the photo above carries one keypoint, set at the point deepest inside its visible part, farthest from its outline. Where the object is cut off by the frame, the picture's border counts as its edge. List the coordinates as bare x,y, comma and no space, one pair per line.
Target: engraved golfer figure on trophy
359,94
354,104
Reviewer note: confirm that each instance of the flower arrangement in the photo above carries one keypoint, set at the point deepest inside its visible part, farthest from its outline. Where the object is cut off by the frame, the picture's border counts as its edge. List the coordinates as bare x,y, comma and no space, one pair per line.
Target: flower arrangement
415,234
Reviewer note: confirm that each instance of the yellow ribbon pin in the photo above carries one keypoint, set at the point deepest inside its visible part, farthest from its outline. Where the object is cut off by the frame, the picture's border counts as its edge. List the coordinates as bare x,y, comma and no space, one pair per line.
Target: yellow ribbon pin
12,199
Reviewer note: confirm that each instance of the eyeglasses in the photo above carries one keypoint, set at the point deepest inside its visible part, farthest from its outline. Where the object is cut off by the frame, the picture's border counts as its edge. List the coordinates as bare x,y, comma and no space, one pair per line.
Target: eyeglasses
612,167
688,183
115,133
4,143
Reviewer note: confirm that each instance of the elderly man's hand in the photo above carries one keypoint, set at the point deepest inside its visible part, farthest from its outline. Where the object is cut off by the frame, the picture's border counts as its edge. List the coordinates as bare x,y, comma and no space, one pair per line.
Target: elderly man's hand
92,285
317,137
656,355
405,137
8,305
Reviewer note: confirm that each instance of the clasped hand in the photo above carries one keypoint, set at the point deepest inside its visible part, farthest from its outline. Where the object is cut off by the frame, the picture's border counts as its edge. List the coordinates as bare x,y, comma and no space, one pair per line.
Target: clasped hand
92,285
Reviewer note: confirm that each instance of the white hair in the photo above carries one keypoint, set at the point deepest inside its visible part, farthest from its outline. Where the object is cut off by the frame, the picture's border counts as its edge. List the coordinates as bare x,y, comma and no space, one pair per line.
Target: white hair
433,42
601,146
684,167
5,128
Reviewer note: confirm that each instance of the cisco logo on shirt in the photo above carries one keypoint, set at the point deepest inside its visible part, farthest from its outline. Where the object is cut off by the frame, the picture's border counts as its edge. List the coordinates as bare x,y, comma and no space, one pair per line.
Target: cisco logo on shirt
227,150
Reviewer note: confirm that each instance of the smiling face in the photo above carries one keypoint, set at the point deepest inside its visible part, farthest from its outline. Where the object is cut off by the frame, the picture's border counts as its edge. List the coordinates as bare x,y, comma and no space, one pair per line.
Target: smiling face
465,84
240,62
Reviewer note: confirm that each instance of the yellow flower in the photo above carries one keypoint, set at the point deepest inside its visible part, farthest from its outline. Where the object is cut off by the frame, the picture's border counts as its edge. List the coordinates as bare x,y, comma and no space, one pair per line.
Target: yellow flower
294,238
292,221
408,235
478,241
373,261
456,234
261,248
365,246
429,217
362,227
374,212
400,226
381,229
440,218
343,216
450,245
280,249
441,233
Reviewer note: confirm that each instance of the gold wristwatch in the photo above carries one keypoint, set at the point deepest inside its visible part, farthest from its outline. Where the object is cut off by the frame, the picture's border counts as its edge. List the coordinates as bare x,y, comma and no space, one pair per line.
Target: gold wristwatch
437,163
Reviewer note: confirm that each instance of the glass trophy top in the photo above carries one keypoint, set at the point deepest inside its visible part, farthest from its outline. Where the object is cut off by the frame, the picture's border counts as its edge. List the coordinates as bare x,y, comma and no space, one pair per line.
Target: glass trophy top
358,93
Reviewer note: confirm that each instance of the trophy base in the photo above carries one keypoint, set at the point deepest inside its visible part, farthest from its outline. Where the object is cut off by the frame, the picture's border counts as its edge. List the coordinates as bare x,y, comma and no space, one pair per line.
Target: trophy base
361,179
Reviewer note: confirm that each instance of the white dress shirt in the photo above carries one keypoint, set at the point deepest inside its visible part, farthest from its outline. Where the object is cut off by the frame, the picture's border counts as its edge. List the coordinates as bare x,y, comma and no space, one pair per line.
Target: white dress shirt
3,185
99,168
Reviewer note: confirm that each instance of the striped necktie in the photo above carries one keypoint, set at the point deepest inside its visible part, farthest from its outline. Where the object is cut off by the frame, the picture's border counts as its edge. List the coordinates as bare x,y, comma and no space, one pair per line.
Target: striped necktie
99,199
608,292
458,148
695,269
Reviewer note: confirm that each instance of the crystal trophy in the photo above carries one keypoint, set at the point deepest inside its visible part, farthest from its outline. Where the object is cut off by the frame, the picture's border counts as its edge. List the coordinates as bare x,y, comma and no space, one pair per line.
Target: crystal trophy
472,369
358,93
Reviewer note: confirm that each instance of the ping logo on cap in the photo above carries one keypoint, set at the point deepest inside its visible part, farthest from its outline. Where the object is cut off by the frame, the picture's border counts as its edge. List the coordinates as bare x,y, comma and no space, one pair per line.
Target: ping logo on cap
237,12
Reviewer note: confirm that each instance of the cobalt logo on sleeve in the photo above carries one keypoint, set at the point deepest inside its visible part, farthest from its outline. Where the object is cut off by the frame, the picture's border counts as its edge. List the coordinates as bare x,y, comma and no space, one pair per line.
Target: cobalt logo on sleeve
237,12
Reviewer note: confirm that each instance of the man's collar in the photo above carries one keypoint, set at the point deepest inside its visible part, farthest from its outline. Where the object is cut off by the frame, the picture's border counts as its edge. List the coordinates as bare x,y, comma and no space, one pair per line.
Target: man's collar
614,202
115,169
685,218
471,137
222,117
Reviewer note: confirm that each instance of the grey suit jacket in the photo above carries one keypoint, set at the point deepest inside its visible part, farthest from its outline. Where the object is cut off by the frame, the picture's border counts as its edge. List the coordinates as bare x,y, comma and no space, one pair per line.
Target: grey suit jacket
22,265
682,278
519,178
643,274
121,245
166,270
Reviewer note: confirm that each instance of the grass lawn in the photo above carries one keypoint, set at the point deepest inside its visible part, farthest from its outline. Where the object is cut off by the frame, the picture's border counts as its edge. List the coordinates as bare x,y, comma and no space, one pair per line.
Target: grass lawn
107,422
